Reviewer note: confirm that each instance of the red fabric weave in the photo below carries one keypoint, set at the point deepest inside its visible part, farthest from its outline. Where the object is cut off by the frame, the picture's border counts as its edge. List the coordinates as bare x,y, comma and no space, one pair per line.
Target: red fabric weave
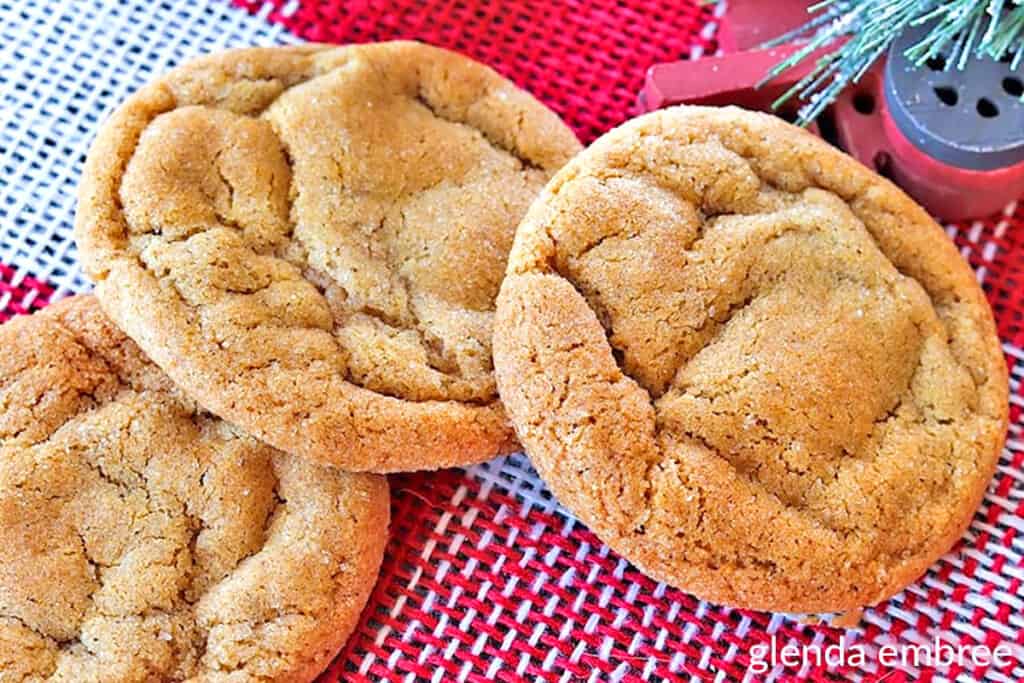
19,296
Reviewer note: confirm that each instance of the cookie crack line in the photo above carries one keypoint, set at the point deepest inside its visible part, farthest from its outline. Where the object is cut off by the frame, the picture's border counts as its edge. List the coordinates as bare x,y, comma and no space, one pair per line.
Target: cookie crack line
380,315
196,526
435,357
664,456
168,279
437,364
525,163
735,308
850,201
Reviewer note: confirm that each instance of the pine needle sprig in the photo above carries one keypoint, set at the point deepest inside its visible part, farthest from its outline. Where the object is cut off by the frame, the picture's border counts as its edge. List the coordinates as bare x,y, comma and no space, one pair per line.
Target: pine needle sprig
961,29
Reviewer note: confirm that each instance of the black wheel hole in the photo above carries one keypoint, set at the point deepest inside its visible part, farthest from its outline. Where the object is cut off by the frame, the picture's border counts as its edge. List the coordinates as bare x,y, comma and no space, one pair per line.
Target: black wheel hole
1013,86
827,127
789,115
947,95
987,108
936,63
864,103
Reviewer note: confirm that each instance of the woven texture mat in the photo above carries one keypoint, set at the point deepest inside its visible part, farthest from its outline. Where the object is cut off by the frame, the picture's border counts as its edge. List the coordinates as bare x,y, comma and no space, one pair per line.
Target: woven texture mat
486,577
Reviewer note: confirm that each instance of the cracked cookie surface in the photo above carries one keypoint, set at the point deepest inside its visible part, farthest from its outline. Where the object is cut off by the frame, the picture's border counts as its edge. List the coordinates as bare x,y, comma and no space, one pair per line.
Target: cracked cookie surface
309,240
750,365
148,540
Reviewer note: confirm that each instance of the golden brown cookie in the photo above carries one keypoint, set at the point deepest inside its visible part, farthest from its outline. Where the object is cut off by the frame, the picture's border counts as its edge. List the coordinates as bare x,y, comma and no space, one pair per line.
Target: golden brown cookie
309,240
753,367
146,541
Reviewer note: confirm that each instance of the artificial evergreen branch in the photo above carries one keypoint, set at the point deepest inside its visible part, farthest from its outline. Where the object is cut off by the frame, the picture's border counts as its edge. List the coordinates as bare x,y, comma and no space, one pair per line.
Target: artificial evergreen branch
962,29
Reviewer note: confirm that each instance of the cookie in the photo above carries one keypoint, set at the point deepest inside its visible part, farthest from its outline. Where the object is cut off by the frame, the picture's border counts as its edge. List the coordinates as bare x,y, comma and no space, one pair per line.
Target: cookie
309,240
146,540
753,367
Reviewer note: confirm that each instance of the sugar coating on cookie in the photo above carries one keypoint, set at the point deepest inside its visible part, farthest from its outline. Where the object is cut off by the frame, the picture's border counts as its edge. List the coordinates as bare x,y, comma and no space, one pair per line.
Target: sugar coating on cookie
146,540
309,240
753,367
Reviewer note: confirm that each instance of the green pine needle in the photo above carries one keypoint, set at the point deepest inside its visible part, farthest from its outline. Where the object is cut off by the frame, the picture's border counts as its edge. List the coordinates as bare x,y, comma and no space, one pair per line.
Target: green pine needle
992,29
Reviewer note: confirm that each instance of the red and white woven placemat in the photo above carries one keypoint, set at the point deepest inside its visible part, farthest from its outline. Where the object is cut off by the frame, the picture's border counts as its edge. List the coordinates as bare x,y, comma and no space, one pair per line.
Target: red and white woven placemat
486,576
